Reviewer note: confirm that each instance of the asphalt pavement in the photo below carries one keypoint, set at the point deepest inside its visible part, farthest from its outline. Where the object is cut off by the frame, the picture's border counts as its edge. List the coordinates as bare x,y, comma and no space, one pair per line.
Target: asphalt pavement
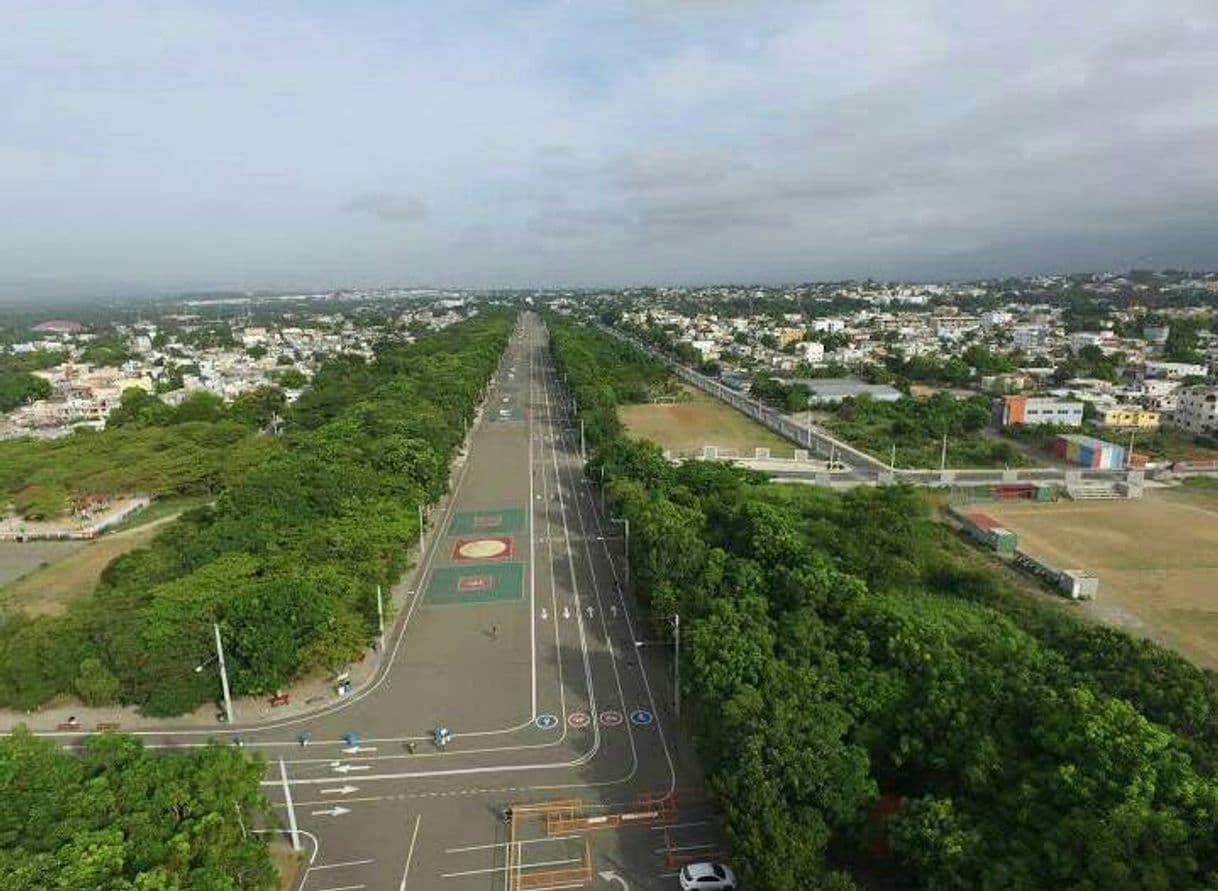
520,639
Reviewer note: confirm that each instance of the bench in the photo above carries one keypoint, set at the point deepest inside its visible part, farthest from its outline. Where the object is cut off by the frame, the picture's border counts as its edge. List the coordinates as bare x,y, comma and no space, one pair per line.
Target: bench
68,725
108,726
281,699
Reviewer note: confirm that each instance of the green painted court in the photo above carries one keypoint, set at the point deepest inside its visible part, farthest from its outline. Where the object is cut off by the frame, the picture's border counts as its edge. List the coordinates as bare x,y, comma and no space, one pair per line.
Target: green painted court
492,521
475,583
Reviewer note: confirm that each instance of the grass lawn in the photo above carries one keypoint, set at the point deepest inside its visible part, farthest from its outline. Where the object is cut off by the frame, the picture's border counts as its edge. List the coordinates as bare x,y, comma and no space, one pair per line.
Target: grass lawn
49,589
697,420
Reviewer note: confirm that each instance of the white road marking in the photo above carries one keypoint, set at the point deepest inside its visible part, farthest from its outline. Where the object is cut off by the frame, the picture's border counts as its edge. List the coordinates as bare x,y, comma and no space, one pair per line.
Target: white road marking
521,866
342,865
346,888
335,811
524,841
414,836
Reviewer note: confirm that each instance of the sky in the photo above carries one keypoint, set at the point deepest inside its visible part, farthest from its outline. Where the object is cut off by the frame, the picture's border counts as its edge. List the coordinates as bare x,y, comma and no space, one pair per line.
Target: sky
220,145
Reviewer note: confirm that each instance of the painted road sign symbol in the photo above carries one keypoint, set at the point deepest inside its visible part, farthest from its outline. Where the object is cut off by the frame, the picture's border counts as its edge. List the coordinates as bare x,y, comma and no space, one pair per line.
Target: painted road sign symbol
546,722
579,720
611,718
641,717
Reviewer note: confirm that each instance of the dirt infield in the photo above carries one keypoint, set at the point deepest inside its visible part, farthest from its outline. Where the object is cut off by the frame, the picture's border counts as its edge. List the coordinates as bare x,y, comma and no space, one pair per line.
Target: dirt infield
1157,560
699,420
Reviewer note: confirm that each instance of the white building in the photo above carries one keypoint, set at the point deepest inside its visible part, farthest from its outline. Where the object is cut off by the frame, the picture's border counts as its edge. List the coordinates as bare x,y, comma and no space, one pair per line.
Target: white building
1174,370
1197,410
828,326
1029,337
811,351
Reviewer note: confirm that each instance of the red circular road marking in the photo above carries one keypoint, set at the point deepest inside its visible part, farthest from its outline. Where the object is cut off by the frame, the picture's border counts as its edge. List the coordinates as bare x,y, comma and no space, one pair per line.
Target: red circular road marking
611,718
578,719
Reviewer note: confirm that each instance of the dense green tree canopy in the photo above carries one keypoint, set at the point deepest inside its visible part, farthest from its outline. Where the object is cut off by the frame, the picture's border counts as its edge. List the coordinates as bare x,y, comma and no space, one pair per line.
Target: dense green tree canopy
117,818
305,526
840,646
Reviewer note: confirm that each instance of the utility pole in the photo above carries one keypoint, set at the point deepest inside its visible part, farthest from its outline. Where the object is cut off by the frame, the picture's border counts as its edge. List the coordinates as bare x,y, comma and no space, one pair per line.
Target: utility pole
583,453
602,488
676,664
943,455
892,462
625,521
287,797
420,531
380,617
228,701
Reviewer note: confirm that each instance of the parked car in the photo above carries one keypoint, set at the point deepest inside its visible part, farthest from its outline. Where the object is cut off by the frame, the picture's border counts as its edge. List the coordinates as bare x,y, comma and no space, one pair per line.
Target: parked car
707,877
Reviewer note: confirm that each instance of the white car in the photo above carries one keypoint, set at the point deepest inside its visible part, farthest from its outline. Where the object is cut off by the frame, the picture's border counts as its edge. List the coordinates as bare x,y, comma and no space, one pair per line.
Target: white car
707,877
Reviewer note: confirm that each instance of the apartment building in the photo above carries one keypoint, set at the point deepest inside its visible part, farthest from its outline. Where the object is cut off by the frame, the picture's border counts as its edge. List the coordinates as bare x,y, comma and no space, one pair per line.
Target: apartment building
1197,410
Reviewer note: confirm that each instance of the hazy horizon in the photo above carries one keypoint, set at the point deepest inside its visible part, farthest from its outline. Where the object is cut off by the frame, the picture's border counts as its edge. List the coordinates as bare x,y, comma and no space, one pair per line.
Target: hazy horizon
228,147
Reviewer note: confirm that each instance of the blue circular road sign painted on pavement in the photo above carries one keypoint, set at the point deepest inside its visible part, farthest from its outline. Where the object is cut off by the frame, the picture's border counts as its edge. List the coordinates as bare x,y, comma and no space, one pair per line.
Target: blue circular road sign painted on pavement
641,717
546,722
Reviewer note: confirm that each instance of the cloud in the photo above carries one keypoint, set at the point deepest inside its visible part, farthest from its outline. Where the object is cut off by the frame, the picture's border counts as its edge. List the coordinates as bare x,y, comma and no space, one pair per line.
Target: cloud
654,140
389,207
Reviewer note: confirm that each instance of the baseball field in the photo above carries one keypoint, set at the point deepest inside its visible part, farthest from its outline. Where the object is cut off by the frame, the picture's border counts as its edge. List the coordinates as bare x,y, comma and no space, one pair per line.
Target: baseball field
698,420
1156,557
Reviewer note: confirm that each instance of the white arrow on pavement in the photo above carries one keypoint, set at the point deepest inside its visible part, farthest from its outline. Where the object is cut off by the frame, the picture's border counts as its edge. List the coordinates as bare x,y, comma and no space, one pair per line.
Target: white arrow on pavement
347,768
566,613
610,876
341,790
335,811
355,750
544,615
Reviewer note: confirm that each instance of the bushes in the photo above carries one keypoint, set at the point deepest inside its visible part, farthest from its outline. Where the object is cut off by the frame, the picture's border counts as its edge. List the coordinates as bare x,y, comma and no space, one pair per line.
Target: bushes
289,557
840,646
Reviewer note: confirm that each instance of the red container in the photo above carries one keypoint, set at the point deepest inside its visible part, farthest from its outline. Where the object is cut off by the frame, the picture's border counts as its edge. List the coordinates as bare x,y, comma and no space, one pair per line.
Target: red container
985,521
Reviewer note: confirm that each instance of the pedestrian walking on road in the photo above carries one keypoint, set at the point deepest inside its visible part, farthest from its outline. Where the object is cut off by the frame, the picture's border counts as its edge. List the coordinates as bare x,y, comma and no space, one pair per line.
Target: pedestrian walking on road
304,738
494,632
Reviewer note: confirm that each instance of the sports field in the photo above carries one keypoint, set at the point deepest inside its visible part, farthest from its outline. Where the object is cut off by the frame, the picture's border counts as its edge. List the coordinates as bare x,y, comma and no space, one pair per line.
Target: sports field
1157,560
699,420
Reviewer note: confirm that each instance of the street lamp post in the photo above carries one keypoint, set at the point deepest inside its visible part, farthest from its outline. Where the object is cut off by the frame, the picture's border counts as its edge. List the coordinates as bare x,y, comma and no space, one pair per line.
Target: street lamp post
421,520
625,521
228,700
380,617
676,664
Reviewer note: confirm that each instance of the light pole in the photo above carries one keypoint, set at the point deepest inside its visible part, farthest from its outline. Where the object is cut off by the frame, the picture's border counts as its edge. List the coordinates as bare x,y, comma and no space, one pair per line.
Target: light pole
625,521
228,701
380,617
420,530
943,455
676,660
809,422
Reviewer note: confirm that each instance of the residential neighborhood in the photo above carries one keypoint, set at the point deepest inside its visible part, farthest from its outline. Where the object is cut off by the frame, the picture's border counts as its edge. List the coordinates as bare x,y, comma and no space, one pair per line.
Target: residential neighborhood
221,346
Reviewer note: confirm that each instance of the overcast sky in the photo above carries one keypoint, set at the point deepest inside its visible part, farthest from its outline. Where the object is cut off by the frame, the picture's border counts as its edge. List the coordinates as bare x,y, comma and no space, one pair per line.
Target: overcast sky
259,144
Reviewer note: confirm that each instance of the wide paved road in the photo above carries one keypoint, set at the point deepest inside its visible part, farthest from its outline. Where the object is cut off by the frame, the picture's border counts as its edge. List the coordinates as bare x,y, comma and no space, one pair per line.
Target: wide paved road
521,642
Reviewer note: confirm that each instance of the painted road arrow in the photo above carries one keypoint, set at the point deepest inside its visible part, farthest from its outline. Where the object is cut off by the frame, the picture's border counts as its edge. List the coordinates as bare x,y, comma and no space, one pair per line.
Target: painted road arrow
335,811
355,750
346,768
610,876
341,790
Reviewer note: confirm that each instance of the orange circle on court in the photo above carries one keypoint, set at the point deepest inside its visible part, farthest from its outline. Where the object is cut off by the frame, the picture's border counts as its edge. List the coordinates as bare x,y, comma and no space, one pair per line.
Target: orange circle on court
483,548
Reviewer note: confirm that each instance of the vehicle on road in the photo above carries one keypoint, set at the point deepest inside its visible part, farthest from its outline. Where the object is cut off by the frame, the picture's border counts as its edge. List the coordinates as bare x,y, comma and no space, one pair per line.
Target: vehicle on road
707,877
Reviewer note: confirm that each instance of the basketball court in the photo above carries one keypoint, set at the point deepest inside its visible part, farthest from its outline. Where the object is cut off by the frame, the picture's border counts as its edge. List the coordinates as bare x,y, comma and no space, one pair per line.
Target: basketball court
474,583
